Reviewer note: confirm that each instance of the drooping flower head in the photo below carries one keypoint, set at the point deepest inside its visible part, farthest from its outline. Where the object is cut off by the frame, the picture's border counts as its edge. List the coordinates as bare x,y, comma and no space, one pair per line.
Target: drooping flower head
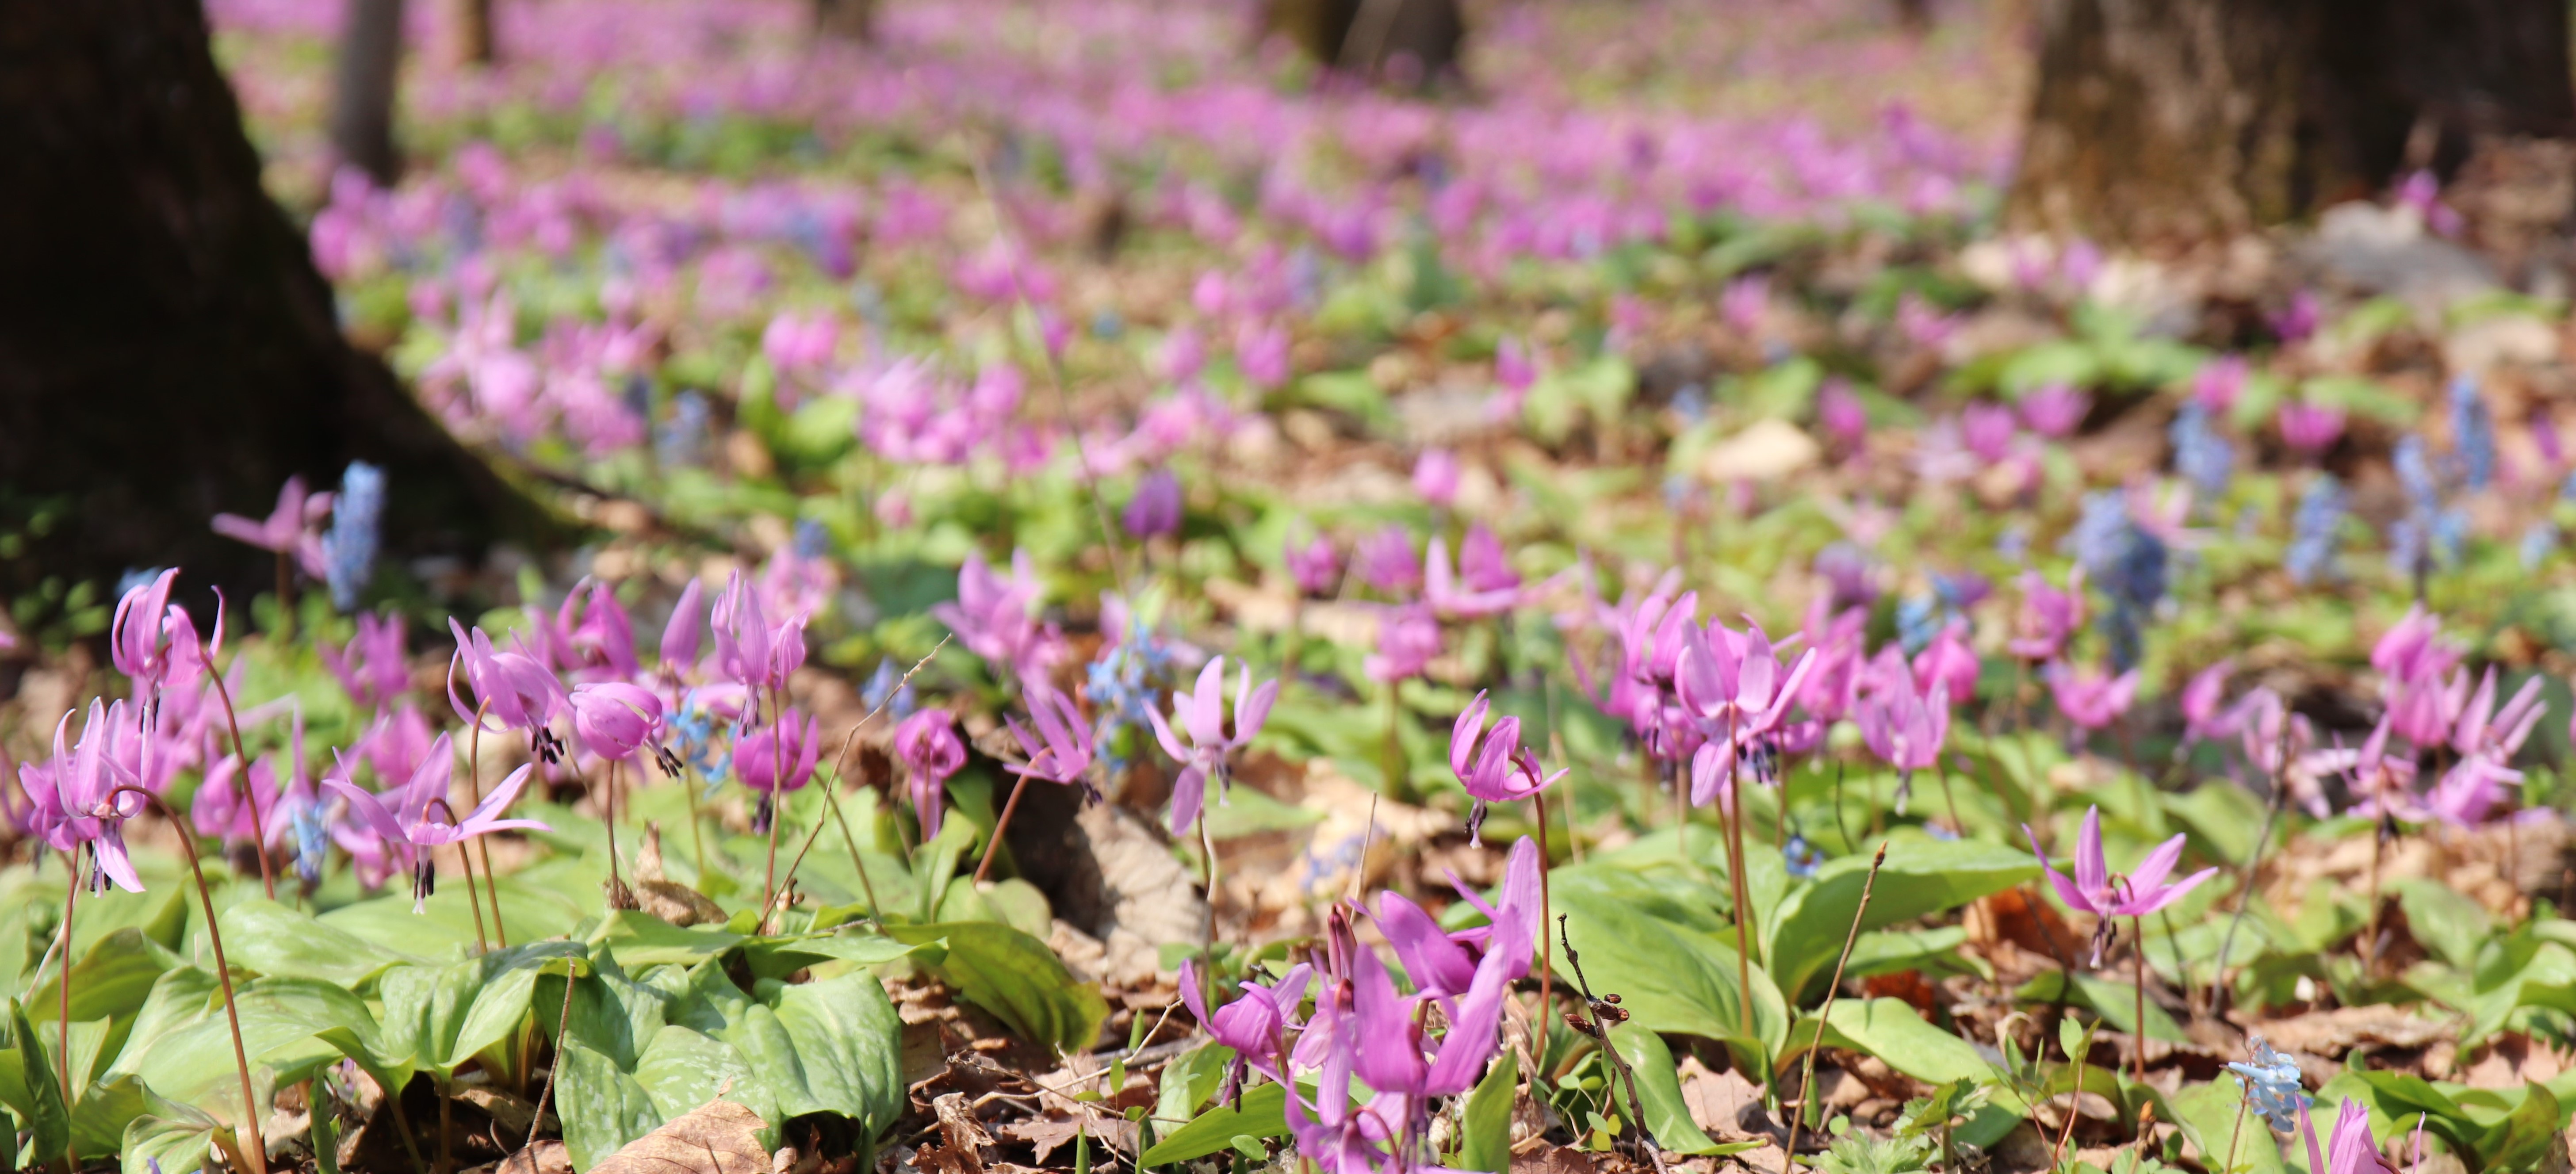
1492,764
2095,889
927,745
1200,711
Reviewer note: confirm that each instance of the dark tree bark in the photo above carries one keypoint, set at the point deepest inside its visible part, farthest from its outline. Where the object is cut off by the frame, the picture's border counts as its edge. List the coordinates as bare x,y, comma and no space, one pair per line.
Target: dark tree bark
852,20
475,41
167,350
1407,42
370,72
2162,123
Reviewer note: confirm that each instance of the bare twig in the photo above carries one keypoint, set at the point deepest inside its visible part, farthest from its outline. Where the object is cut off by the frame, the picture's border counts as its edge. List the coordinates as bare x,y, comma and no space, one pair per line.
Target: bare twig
840,769
1604,1011
1807,1079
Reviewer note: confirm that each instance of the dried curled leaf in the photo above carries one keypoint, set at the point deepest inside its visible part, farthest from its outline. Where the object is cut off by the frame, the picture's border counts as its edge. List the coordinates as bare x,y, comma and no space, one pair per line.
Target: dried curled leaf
718,1137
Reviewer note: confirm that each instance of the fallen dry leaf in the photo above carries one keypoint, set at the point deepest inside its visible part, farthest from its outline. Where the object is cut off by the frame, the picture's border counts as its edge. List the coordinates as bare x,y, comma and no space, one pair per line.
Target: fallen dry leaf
1043,1133
1555,1159
718,1137
1725,1104
2332,1033
545,1157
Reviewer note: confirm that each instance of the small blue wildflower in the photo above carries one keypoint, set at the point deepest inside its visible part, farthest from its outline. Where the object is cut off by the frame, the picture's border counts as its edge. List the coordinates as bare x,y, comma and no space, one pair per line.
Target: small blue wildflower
2473,433
2127,563
1938,832
811,541
349,550
1124,682
2272,1088
2013,545
2450,535
886,690
1691,403
639,395
1801,858
312,843
2415,474
2537,543
2567,489
2200,454
2312,530
693,733
682,439
1919,618
1107,325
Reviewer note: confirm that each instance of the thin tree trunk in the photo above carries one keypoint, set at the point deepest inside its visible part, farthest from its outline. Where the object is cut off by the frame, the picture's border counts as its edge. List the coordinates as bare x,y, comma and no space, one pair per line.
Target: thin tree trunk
475,42
167,350
2164,123
362,105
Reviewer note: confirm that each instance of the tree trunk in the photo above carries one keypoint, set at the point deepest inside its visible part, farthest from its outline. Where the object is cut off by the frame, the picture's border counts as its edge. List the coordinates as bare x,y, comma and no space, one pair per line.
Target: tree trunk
852,20
167,350
1405,42
362,103
475,44
2165,123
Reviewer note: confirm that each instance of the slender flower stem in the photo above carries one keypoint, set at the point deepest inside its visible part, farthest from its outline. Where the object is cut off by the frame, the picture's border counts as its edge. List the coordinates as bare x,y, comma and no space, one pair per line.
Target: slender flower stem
1807,1078
563,1026
616,886
1000,826
256,1151
63,1046
840,770
1546,972
1731,800
2138,932
259,826
474,781
777,801
852,843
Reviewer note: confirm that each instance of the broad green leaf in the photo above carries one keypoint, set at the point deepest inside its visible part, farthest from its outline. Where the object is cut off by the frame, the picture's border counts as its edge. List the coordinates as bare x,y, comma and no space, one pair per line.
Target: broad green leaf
441,1016
783,955
1188,1081
1017,978
849,1048
1893,1031
682,1069
171,1135
179,998
2217,1131
2448,923
99,1120
1659,1086
2115,1002
530,910
111,981
1670,975
1922,876
2523,1137
1485,1136
1935,951
283,1021
263,936
42,1113
640,939
601,1104
1260,1112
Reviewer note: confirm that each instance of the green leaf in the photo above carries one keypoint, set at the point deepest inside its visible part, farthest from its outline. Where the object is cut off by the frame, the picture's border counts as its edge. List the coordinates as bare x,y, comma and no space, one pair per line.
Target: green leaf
682,1069
268,938
104,1111
2447,922
111,981
1189,1080
1891,1030
174,1135
848,1051
2214,1129
1670,975
441,1016
602,1106
639,939
1261,1112
1485,1142
1017,978
2115,1002
1922,876
40,1112
1666,1115
1934,951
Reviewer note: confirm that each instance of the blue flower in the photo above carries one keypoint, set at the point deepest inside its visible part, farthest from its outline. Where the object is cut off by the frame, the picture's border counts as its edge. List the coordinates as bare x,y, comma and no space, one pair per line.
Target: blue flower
349,550
312,842
2127,563
882,691
2200,454
2537,543
2271,1084
693,732
2473,432
2312,530
811,540
1801,858
682,439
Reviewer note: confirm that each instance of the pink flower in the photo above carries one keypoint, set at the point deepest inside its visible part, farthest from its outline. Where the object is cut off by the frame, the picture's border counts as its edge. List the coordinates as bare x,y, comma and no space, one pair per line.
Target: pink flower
76,797
1255,1024
1408,638
2202,718
153,641
679,647
615,719
2089,698
509,687
2095,890
1435,477
1156,508
779,756
294,527
401,816
2055,410
926,743
749,648
1987,430
1482,563
1841,412
1314,566
1492,764
373,668
2048,615
993,617
2219,382
1201,712
2350,1149
1440,588
1385,561
1903,728
1948,662
2310,428
1062,751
